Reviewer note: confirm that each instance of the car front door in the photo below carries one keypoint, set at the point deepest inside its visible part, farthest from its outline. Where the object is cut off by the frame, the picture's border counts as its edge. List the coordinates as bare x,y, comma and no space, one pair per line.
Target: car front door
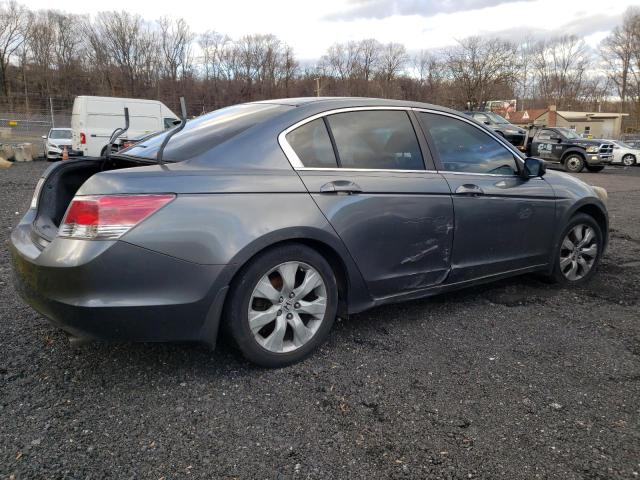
365,169
503,222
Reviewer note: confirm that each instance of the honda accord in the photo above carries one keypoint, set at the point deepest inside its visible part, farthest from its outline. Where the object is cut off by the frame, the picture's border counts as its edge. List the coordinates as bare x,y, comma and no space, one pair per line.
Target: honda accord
272,218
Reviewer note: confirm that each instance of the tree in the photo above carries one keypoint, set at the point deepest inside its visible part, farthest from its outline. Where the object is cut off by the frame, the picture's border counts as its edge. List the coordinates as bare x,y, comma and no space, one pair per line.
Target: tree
560,66
479,66
14,26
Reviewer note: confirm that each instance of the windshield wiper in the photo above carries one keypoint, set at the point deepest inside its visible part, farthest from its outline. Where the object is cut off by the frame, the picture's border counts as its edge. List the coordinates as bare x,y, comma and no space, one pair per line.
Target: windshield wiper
171,133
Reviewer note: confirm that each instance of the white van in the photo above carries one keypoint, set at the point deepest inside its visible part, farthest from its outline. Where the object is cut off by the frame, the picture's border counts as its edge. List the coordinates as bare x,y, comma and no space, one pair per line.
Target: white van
95,118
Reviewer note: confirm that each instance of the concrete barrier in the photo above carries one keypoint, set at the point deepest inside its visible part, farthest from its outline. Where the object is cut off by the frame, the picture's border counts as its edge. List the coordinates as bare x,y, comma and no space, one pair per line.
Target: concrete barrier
6,151
22,152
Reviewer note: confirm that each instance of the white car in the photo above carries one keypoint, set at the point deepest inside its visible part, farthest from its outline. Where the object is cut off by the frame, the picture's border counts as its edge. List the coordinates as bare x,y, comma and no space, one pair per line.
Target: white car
624,153
55,141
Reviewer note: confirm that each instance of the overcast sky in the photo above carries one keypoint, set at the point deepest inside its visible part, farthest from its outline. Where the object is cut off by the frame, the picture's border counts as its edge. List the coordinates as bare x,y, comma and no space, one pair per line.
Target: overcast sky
310,26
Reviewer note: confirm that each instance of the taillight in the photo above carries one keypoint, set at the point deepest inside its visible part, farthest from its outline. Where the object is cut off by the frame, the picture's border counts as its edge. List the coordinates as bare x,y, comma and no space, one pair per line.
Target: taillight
83,139
107,217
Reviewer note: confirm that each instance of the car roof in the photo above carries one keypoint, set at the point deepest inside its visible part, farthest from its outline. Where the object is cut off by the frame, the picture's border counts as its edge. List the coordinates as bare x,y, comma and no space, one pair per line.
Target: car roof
346,102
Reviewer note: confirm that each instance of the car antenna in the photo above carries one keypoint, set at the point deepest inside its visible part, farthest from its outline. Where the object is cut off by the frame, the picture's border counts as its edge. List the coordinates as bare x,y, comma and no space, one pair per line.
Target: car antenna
171,133
116,133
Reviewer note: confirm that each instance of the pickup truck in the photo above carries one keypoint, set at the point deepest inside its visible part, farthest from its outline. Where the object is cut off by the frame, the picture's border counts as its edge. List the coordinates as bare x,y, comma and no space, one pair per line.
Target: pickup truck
565,147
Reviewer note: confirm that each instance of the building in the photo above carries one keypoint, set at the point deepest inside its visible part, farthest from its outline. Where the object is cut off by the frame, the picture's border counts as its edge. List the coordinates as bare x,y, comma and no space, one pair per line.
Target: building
589,124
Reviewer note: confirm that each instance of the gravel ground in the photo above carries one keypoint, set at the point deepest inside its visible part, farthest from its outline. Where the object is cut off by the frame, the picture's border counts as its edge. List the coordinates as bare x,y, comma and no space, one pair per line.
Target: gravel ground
513,380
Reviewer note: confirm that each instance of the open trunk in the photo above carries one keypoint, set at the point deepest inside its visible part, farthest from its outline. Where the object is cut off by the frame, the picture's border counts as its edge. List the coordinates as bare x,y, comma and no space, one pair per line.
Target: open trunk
61,183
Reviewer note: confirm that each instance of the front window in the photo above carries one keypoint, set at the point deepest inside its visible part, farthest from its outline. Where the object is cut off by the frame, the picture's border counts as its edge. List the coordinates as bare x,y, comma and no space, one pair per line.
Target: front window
465,148
60,134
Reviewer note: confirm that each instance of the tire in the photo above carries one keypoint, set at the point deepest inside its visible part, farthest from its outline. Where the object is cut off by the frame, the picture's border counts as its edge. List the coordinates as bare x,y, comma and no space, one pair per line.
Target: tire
564,259
573,163
628,160
594,168
286,332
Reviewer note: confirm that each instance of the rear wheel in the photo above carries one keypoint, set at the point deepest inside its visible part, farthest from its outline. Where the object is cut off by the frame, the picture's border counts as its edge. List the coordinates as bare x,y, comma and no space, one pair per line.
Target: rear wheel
595,168
628,160
282,305
579,252
574,163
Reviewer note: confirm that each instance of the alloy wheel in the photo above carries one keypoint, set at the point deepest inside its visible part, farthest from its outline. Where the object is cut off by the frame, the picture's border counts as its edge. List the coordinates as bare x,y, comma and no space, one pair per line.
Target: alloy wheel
287,307
628,160
578,252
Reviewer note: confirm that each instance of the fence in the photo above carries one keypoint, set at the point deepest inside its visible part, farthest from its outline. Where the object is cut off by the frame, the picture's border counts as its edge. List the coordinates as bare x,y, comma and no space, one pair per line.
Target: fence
16,127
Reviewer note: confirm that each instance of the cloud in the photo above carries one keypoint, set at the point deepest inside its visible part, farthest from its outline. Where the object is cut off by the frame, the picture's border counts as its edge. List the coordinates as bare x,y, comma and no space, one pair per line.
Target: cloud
366,9
580,27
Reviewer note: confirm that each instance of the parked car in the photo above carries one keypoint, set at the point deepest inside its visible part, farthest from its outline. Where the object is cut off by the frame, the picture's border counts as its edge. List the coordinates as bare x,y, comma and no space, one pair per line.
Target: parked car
501,126
55,142
273,217
565,147
95,118
624,153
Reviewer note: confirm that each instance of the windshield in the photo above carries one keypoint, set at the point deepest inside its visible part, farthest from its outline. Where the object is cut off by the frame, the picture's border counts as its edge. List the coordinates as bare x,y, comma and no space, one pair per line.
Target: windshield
208,131
568,133
622,144
496,118
60,134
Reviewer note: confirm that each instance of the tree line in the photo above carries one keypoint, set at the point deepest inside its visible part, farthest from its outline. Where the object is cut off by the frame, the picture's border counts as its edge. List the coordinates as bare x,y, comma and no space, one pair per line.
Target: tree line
48,53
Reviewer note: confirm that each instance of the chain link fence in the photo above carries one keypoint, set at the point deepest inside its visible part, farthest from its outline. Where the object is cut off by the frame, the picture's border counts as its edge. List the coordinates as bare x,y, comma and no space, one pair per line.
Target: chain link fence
20,127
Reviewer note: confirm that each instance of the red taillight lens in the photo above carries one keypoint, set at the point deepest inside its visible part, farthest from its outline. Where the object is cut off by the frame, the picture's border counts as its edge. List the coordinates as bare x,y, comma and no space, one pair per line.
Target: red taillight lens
107,217
83,139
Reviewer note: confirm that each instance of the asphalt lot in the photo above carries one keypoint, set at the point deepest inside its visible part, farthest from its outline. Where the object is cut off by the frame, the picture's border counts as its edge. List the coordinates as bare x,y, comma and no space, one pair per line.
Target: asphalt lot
513,380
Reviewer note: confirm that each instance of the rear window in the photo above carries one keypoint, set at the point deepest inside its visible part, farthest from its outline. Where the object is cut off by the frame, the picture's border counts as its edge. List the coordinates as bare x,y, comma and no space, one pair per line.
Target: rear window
208,131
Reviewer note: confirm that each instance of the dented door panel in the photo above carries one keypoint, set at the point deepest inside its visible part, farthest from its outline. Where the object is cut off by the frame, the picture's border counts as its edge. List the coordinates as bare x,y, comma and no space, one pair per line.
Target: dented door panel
398,228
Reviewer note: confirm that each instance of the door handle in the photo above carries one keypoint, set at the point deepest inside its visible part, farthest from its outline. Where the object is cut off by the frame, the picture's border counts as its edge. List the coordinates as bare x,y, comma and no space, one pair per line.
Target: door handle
470,190
341,186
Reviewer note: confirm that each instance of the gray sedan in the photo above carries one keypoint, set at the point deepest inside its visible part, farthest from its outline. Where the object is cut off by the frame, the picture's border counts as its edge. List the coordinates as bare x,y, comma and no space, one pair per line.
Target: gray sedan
272,218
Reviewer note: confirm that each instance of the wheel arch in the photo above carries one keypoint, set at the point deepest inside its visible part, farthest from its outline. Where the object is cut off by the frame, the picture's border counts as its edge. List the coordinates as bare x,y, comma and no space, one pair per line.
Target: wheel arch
353,294
572,151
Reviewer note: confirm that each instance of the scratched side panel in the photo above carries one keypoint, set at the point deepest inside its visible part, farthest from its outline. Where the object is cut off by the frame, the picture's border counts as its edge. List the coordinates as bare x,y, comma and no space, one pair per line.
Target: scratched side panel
399,230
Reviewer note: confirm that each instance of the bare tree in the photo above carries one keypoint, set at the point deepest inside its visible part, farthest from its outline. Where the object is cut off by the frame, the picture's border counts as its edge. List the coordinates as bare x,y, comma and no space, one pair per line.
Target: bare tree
479,66
393,58
560,66
14,25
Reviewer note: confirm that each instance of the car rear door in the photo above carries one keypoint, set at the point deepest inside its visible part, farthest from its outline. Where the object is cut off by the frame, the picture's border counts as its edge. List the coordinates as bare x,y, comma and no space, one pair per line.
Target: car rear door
365,169
503,222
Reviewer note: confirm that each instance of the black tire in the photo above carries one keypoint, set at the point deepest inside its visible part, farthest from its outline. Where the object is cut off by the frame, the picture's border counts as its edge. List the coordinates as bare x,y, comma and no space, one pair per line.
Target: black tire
594,168
573,163
236,314
581,218
628,160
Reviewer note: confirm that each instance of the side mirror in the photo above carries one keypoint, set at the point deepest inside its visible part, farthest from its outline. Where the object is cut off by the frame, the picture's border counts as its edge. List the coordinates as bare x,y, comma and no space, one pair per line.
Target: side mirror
533,167
556,139
486,123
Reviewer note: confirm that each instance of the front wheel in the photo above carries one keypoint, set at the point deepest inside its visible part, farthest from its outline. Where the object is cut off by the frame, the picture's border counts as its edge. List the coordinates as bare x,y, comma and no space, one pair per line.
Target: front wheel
574,163
628,160
595,168
579,252
282,305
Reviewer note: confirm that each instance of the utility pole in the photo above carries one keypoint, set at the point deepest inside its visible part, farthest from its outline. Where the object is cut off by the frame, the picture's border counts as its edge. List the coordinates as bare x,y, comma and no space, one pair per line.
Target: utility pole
53,125
317,86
